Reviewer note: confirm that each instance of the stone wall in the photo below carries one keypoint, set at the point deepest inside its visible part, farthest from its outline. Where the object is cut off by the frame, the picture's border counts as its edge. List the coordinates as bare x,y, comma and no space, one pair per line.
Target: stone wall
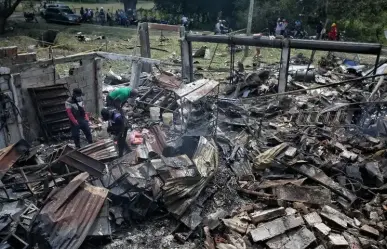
30,73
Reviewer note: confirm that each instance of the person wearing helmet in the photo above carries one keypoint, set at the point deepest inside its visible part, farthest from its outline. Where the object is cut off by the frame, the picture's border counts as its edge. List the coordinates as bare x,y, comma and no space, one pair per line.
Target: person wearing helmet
117,127
333,33
79,119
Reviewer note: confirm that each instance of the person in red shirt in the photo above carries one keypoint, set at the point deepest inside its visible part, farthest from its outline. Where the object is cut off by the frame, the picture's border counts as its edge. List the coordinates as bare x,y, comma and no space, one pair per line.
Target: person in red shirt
78,117
332,35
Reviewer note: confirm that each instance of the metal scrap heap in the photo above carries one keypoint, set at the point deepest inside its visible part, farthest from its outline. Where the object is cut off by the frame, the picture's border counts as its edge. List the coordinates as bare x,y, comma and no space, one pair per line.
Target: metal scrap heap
303,169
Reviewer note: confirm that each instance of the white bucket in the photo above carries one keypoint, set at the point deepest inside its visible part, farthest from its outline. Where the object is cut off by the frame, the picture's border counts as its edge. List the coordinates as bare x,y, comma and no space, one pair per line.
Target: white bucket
168,118
155,113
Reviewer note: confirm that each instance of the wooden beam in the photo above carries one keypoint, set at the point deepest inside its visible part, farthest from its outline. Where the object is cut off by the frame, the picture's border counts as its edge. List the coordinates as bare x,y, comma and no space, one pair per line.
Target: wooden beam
165,27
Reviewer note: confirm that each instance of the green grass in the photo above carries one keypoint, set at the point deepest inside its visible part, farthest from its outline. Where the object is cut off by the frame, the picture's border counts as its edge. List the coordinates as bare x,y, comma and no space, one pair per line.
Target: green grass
123,40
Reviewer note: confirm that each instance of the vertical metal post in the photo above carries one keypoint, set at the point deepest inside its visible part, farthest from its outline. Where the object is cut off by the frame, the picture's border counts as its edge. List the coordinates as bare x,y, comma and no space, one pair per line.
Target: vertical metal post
284,66
186,57
145,45
190,58
377,63
249,25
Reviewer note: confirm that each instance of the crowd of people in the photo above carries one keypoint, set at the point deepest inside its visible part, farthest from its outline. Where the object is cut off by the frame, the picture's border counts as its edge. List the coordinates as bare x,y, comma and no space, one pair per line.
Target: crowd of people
297,30
100,16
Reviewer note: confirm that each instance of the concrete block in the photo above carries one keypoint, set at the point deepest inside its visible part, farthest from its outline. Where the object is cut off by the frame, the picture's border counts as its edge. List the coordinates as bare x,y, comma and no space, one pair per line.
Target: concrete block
368,230
276,227
8,52
320,247
265,215
322,229
291,152
337,241
312,195
5,70
330,210
312,218
299,239
24,58
335,220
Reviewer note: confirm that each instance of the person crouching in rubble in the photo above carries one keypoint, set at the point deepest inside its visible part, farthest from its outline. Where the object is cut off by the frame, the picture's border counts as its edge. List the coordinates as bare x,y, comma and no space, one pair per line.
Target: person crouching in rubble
117,127
78,117
117,98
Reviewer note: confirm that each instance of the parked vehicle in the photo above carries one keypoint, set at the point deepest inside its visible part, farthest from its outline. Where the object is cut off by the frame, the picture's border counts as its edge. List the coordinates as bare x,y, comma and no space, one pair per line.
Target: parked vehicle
61,14
46,5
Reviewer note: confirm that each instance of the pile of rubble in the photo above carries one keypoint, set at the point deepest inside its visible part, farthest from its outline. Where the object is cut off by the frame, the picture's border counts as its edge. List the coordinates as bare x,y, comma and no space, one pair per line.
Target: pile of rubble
276,172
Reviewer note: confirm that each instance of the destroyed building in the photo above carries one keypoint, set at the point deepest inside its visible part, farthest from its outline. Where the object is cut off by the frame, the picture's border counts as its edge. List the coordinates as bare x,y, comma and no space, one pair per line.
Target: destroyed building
266,162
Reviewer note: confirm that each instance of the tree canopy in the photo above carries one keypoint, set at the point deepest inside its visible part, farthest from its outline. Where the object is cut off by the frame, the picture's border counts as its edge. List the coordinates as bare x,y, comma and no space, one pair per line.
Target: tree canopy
363,20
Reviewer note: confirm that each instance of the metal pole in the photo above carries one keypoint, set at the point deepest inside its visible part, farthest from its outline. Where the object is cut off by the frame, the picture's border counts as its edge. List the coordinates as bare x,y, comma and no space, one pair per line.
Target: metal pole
249,24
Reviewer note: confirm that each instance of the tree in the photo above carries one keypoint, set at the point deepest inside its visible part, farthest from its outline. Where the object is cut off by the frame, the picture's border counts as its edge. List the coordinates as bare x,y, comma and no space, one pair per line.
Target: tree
7,7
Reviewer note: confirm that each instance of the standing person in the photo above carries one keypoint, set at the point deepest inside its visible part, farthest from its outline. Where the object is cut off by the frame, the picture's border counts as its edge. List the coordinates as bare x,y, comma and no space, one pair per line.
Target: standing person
332,35
218,27
284,27
278,28
102,16
109,18
78,117
82,11
184,21
118,127
319,29
117,98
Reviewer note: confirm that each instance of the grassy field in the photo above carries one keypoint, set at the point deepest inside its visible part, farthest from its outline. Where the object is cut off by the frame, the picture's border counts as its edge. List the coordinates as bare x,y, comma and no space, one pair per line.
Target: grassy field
124,40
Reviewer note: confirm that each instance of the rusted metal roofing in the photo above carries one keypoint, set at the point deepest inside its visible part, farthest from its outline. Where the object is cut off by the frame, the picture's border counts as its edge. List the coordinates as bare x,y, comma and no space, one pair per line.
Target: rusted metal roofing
101,150
10,154
196,90
155,140
66,219
181,192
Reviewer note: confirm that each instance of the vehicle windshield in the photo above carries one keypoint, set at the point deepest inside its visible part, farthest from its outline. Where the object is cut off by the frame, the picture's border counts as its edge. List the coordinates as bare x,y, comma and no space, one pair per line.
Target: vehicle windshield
66,11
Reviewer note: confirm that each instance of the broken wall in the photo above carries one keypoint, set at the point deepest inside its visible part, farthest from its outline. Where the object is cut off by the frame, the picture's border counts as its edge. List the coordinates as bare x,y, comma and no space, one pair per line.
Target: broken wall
32,74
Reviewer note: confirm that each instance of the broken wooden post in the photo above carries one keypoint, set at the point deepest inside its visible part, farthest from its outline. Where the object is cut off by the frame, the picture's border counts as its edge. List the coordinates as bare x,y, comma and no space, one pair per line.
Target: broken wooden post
136,72
186,57
143,32
284,66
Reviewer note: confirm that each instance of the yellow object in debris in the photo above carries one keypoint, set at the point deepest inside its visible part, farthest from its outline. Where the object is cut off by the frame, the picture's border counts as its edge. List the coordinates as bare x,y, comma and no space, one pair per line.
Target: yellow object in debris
265,159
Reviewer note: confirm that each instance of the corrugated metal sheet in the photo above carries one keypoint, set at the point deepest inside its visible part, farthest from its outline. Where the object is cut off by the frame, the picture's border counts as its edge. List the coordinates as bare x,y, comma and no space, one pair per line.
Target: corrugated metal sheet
83,162
155,141
10,154
66,219
196,90
180,193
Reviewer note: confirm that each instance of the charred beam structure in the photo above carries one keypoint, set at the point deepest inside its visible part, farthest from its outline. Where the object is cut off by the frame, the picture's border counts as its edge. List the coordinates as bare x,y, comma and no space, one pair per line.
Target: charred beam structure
285,44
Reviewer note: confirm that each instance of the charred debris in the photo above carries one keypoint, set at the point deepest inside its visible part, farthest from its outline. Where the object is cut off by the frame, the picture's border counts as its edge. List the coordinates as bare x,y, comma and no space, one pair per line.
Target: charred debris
216,166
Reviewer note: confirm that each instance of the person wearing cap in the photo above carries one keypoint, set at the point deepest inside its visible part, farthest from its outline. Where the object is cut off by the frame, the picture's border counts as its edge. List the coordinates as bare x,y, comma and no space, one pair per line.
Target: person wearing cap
117,98
117,127
332,35
78,117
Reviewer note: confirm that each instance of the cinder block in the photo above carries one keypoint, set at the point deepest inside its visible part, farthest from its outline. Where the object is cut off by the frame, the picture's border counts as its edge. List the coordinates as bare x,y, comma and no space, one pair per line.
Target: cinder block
8,52
24,58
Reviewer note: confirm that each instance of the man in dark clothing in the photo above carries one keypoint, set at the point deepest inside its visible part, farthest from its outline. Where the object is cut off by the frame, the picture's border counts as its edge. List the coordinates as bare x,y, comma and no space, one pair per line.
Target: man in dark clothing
78,117
82,11
118,127
319,29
